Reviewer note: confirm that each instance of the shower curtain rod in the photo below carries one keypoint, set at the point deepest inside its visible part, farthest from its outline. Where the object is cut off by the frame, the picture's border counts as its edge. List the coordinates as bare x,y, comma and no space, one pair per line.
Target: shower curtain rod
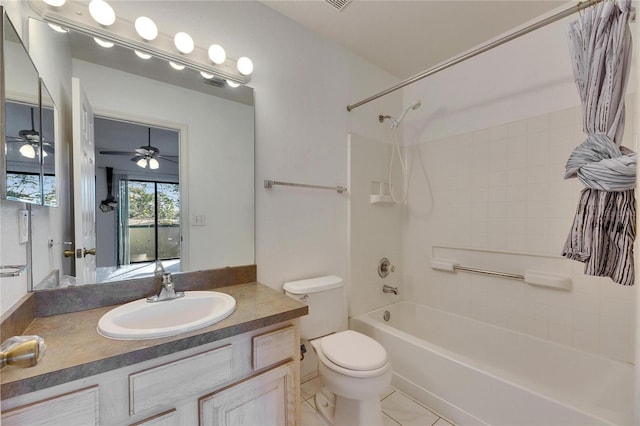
481,49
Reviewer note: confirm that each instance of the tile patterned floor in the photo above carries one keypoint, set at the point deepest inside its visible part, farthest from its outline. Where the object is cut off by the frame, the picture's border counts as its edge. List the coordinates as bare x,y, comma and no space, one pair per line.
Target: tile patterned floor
398,409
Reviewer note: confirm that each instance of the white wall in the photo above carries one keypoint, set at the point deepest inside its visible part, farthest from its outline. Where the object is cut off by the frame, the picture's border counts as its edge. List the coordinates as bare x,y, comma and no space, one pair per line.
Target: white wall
493,134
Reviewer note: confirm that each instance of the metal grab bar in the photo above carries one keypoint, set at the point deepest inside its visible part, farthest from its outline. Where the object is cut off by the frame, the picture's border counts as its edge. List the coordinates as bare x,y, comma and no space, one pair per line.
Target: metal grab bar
271,183
14,270
488,272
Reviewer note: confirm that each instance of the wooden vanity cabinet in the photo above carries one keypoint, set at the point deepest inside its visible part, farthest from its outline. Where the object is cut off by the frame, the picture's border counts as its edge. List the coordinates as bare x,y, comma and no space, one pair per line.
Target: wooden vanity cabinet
252,378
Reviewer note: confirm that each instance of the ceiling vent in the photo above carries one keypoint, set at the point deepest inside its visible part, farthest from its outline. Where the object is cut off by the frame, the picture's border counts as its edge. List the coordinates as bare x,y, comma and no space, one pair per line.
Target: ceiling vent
338,4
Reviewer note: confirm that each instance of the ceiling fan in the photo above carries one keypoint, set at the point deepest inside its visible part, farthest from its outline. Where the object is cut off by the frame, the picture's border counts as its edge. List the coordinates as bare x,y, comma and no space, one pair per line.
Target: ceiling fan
30,140
145,155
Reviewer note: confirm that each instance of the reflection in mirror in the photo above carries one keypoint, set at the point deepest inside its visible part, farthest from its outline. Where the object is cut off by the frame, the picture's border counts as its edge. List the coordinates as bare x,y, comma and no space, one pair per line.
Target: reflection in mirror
215,127
138,192
23,152
47,126
22,178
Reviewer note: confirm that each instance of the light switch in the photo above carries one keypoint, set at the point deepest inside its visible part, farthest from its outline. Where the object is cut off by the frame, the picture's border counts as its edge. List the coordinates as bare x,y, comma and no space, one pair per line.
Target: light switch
198,220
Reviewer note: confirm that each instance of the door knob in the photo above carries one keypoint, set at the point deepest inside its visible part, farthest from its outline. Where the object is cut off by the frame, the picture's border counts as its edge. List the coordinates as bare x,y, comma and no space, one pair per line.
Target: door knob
69,253
91,251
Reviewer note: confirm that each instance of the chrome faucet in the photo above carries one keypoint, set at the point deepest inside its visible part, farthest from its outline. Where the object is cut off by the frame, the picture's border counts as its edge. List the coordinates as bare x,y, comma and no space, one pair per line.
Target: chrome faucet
168,290
159,271
388,289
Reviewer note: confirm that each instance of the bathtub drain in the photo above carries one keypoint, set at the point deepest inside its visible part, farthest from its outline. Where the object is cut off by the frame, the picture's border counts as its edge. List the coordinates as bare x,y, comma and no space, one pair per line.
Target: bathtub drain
387,315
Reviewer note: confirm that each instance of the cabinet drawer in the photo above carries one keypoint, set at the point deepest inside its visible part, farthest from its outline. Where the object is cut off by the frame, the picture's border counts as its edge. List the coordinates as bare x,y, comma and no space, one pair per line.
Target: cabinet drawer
273,347
74,408
188,376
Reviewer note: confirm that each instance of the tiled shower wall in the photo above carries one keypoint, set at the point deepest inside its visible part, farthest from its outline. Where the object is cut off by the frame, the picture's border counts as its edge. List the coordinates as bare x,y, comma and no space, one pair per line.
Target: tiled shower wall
501,190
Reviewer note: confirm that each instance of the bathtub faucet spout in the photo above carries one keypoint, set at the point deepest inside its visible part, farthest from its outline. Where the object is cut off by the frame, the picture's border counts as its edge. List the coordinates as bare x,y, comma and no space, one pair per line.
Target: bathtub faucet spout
388,289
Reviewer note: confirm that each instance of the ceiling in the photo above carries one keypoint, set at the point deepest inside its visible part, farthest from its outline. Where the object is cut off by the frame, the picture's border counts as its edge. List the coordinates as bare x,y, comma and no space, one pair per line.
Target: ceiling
407,37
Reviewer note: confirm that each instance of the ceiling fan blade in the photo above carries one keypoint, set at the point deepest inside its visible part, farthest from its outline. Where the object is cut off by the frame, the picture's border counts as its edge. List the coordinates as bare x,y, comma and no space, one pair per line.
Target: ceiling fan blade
118,153
167,159
15,139
175,157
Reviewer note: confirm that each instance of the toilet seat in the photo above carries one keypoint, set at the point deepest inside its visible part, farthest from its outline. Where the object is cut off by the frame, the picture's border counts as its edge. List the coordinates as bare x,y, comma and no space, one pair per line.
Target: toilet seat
354,351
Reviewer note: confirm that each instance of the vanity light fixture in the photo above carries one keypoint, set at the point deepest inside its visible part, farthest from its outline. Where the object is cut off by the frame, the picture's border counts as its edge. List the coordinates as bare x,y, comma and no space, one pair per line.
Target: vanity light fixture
217,54
76,15
184,43
232,84
55,3
58,28
245,66
102,12
142,55
175,66
105,44
146,28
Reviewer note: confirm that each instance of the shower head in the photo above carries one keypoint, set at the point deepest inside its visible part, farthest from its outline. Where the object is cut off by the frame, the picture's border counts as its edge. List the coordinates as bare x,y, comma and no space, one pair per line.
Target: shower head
412,106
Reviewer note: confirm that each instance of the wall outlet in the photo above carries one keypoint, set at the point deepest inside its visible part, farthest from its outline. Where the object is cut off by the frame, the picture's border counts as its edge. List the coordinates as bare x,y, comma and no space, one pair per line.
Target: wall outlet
198,220
23,226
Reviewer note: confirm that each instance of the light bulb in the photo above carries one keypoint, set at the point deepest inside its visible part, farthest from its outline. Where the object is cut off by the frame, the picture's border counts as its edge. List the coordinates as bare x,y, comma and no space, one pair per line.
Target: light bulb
217,54
183,42
142,162
245,66
142,55
58,28
175,66
106,44
153,164
55,3
102,12
27,151
232,83
206,75
146,28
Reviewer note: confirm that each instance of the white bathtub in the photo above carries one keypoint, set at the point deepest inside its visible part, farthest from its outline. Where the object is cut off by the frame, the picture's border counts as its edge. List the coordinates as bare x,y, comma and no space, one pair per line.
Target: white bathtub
476,373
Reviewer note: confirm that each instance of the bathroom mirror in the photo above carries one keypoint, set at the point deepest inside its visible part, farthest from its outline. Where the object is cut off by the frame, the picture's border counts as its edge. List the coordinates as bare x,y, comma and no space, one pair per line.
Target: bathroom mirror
21,150
216,150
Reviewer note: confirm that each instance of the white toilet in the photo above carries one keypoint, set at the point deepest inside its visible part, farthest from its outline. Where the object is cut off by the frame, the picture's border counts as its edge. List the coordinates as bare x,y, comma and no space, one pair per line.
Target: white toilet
354,369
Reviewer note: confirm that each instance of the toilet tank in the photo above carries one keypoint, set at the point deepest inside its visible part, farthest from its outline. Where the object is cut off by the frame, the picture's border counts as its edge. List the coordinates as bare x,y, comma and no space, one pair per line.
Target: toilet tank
325,298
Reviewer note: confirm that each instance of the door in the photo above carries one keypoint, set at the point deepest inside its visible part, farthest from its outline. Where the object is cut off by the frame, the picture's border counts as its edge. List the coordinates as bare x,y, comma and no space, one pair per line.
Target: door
84,186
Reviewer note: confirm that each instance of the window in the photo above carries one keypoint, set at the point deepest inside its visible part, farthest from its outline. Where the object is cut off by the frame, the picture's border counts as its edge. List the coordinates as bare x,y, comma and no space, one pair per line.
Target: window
151,229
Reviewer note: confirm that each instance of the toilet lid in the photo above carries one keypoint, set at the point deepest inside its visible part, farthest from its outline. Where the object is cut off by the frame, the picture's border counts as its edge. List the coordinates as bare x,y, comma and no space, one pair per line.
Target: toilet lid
354,351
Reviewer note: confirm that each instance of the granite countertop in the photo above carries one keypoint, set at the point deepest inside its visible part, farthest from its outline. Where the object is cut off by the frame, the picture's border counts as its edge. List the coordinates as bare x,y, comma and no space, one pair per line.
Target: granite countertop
75,350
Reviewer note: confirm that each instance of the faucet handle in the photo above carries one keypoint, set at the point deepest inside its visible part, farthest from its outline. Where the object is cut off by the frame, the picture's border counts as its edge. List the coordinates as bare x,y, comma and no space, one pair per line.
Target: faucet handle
166,278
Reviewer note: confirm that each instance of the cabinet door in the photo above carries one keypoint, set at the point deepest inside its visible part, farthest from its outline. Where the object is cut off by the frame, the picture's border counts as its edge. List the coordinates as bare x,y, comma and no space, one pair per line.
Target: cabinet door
265,399
75,408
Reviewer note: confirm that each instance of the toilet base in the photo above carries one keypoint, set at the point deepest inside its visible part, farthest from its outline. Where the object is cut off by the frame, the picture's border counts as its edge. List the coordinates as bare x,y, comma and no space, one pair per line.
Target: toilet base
348,412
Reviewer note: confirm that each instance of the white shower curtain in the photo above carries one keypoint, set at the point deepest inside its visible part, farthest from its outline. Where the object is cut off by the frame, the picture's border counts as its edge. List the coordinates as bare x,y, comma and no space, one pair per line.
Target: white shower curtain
603,230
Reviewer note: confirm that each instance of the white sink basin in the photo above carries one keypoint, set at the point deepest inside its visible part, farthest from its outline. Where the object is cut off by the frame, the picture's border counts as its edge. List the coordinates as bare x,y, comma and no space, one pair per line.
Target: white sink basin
143,320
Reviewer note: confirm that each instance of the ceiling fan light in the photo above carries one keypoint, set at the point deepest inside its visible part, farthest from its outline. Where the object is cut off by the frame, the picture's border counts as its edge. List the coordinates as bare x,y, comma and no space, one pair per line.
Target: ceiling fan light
58,28
177,67
55,3
142,162
232,84
146,28
245,66
217,54
184,42
142,55
153,164
103,43
102,12
27,151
